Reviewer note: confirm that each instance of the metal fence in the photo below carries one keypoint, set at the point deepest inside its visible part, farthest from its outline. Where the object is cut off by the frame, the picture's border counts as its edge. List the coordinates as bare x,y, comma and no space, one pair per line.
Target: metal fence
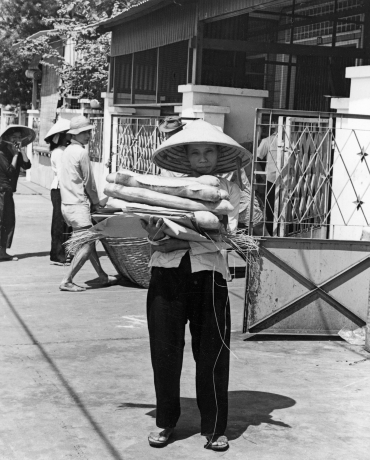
96,140
133,143
312,173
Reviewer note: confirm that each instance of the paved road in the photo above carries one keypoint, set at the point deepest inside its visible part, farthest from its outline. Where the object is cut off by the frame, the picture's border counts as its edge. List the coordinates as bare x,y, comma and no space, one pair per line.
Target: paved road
76,380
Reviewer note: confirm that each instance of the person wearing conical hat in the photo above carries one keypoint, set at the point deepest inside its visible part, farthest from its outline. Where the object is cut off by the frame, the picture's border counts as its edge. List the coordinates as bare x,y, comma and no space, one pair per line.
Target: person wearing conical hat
170,126
79,198
188,283
12,159
58,139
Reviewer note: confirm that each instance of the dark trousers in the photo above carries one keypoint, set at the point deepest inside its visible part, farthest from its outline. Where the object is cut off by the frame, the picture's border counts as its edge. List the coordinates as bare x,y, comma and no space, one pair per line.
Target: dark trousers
7,219
270,206
60,232
176,296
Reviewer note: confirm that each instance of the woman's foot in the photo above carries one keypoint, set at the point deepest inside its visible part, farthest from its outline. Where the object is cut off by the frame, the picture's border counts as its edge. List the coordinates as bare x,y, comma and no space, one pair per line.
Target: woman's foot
109,280
71,287
217,443
4,256
161,438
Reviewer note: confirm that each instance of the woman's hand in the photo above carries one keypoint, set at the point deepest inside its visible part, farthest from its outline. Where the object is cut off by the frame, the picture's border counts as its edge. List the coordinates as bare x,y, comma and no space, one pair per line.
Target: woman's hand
171,245
155,228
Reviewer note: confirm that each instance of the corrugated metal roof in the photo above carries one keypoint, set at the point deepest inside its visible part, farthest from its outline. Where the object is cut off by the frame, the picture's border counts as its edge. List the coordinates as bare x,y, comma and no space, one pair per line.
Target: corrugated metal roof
145,6
207,9
170,25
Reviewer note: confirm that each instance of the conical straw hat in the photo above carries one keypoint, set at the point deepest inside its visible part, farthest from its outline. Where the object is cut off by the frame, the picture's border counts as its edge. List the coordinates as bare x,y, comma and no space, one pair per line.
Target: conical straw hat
28,134
171,154
61,126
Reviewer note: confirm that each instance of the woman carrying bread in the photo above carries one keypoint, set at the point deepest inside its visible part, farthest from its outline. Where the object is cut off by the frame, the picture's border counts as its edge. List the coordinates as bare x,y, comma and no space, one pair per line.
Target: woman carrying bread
188,283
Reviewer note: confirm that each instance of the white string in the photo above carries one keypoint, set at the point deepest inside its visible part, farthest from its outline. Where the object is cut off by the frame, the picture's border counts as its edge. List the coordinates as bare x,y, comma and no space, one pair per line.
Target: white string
219,353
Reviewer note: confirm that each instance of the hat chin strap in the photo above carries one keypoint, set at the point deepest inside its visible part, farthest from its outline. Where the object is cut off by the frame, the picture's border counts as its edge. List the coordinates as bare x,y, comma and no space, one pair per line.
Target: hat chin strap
55,139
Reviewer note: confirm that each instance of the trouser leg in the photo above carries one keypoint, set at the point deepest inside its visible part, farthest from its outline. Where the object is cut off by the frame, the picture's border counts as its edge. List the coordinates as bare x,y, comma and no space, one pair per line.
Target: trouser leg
210,328
59,229
7,219
166,312
270,206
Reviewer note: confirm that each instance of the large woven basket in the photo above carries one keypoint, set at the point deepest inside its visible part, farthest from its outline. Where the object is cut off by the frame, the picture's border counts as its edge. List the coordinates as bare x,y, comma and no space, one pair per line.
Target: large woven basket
130,256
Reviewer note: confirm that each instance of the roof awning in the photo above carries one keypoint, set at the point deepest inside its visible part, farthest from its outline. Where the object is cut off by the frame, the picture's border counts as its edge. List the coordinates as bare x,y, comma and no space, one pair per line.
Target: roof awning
207,9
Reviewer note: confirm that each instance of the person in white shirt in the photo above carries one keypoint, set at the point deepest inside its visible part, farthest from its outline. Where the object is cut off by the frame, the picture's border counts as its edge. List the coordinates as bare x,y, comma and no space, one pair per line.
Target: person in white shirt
188,283
267,153
58,139
79,199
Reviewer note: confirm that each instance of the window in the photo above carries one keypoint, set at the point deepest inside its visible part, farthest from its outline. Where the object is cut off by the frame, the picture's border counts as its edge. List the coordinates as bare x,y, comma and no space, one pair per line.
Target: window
122,79
151,76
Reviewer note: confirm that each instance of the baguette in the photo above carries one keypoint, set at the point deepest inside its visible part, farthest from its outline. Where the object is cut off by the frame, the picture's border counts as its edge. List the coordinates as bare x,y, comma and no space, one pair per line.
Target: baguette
140,195
115,178
170,186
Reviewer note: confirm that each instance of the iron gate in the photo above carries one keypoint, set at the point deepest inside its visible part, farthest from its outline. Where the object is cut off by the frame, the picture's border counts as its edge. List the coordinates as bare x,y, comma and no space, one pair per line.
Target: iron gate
312,274
133,143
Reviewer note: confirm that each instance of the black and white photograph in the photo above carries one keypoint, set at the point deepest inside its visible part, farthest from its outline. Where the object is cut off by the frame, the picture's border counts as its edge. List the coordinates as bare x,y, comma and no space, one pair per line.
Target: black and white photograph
184,229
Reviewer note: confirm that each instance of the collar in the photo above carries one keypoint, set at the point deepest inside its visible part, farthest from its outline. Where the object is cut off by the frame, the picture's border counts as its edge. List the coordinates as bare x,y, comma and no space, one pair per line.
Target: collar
74,142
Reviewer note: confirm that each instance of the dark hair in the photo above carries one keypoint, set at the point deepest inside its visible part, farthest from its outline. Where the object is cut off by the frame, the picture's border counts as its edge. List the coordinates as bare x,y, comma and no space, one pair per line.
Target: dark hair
61,139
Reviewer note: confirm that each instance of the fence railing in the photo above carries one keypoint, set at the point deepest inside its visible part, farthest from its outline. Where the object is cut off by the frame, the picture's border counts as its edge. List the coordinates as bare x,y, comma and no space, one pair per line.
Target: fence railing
133,143
96,141
312,173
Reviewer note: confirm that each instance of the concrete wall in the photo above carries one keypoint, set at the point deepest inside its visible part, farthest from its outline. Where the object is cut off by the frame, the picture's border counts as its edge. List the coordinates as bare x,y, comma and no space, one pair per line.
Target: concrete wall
242,105
351,158
41,172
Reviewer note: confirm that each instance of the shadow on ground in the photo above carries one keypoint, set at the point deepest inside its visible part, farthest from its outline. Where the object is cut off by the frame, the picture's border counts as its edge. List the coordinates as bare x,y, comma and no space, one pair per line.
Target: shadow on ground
246,408
27,255
121,281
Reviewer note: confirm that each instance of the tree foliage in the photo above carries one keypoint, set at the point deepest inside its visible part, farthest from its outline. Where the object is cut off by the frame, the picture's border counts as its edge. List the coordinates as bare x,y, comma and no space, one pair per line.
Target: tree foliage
73,21
18,20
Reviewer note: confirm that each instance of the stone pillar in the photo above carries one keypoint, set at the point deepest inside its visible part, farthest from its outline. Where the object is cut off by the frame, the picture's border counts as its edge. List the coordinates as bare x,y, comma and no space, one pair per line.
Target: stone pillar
32,114
235,106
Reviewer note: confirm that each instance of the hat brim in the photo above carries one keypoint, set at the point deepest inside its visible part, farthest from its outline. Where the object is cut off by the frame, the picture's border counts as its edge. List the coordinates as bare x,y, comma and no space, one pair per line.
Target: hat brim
81,130
61,126
172,155
49,138
28,134
170,130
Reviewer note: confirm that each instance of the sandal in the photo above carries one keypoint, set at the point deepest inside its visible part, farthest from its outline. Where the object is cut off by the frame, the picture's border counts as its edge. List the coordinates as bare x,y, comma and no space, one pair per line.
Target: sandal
71,287
218,444
155,440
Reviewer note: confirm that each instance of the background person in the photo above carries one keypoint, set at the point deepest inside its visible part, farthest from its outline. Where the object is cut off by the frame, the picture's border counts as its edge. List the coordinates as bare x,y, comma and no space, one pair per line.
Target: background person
188,283
12,159
267,153
58,139
79,199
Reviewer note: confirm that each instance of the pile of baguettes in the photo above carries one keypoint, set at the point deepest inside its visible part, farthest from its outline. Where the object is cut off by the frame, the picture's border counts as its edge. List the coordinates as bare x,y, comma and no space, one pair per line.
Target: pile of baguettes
201,196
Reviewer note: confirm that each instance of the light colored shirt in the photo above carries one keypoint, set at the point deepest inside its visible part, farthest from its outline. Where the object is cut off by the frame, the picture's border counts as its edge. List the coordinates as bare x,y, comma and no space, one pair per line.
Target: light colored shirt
267,150
55,160
76,179
204,256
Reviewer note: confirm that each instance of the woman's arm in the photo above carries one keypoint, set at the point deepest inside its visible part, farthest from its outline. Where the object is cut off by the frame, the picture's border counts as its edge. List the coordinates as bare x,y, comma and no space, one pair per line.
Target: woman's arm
25,162
155,228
